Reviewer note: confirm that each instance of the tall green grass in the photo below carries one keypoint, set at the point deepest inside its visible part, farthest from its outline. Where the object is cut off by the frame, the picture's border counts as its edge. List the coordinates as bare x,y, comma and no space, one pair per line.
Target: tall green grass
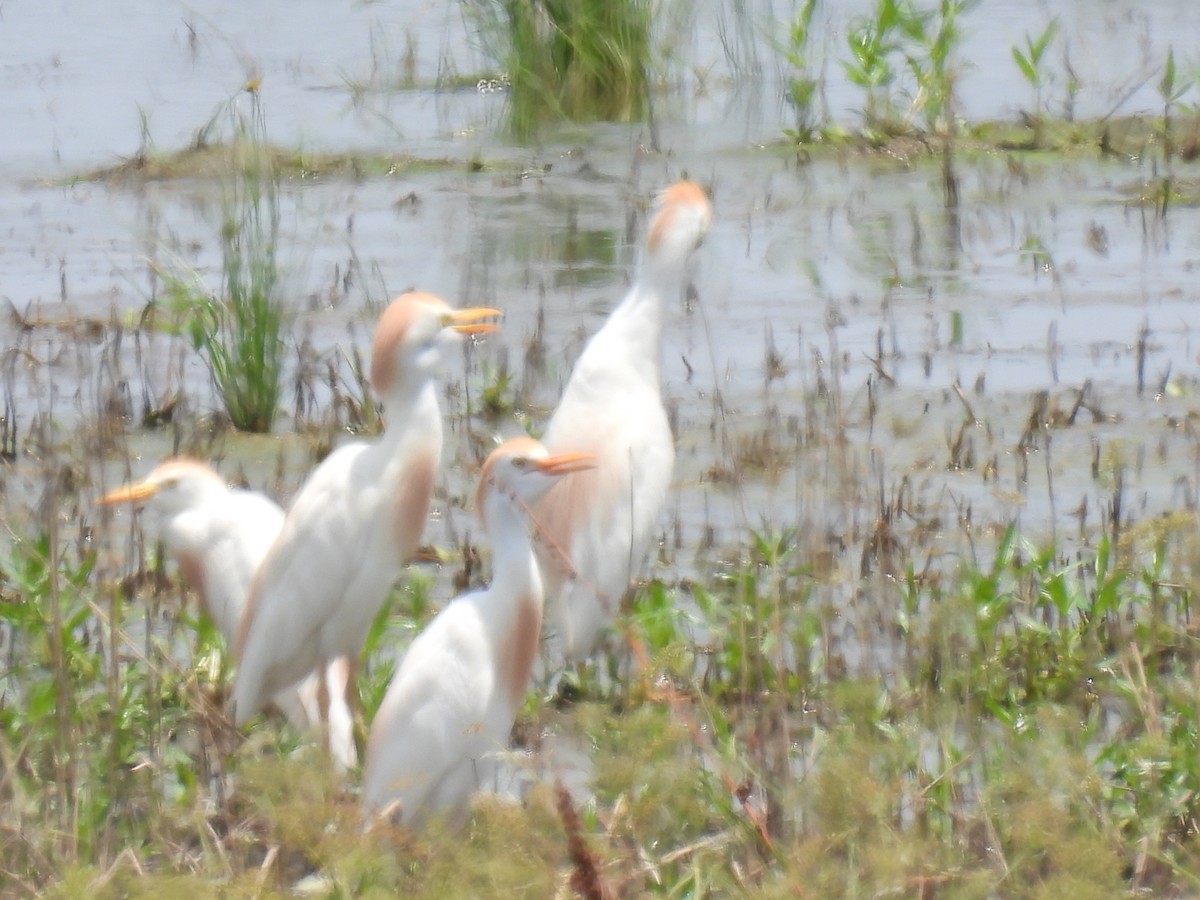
239,329
569,60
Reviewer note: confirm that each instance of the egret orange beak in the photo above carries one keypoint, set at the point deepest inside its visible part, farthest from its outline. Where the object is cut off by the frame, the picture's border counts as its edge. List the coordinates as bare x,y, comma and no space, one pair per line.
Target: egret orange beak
131,493
565,463
471,321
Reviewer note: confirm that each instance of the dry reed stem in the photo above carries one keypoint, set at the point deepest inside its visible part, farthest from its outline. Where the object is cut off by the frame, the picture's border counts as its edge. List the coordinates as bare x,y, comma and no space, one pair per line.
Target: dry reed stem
585,867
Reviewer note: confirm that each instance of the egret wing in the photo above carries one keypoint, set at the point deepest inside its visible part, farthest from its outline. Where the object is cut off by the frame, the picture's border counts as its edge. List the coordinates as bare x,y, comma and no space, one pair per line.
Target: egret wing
300,585
433,720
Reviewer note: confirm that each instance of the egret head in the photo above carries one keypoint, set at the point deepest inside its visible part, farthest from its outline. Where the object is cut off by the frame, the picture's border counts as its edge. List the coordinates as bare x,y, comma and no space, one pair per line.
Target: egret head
412,335
173,487
522,469
682,216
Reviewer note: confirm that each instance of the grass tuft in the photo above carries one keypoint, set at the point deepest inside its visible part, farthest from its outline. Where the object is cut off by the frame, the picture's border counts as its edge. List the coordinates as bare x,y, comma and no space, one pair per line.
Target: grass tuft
569,60
239,331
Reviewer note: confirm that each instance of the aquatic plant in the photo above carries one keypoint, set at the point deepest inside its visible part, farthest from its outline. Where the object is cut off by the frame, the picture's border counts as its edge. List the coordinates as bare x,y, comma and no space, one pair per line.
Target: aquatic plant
801,82
936,37
390,631
239,330
1029,61
1172,89
569,60
926,42
872,39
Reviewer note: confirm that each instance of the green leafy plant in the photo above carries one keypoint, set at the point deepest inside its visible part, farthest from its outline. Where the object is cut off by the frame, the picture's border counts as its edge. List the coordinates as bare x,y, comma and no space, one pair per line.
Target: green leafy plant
498,396
801,84
389,637
1046,702
872,40
1029,61
79,718
926,41
931,61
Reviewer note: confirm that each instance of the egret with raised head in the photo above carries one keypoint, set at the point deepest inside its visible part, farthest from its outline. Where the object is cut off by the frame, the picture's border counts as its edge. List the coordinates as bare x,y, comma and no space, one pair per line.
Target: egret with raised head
601,523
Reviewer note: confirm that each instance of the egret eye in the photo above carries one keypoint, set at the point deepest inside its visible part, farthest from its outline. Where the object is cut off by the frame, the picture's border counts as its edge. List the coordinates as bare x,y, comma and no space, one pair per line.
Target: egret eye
431,338
521,462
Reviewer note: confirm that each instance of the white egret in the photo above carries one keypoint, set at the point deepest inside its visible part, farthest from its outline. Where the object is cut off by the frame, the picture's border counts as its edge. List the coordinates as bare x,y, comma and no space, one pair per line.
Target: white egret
451,705
601,522
218,536
358,517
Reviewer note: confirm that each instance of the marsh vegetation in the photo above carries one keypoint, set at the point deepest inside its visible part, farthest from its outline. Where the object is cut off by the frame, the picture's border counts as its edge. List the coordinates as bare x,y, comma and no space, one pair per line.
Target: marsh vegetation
918,622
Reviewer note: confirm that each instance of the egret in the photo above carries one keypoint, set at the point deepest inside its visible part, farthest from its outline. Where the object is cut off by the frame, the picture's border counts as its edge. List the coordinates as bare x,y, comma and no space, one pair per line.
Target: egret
599,523
218,536
451,705
357,519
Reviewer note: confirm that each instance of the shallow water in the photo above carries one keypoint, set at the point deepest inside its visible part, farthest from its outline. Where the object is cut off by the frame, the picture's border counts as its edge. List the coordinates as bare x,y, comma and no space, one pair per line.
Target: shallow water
849,266
77,76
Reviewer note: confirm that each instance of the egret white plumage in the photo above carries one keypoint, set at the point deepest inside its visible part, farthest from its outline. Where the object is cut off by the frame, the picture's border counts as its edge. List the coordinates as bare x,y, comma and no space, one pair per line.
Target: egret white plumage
602,521
218,536
358,517
451,705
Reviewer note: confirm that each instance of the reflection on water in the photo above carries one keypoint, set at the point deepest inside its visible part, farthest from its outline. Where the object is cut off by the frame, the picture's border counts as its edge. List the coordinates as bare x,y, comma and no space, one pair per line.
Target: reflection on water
573,256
